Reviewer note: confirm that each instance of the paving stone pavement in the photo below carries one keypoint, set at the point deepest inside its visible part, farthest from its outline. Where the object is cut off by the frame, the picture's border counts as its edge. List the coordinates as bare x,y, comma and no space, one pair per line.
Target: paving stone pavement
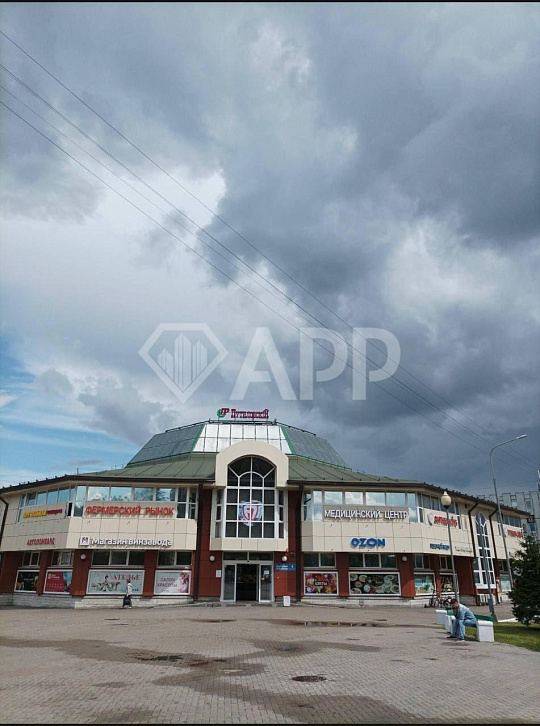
237,664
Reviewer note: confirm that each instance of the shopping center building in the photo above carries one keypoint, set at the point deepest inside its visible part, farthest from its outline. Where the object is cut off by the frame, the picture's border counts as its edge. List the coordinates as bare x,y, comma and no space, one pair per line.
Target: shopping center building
246,509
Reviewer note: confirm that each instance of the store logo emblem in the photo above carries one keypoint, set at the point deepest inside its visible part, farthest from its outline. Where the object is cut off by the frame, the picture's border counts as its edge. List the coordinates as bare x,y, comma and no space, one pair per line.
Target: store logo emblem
183,355
84,541
250,512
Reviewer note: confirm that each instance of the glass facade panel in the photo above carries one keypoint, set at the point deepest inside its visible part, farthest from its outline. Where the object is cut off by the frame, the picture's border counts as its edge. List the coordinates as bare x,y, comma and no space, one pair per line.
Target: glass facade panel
328,559
143,494
165,495
375,498
333,498
121,494
119,558
96,494
311,559
395,499
100,557
372,560
388,561
354,497
246,515
136,558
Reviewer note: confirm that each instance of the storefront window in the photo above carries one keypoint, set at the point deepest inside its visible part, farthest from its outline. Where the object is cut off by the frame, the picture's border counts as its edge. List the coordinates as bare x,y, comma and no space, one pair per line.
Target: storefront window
357,560
62,558
421,562
117,558
52,496
31,559
181,558
424,584
319,559
41,498
27,581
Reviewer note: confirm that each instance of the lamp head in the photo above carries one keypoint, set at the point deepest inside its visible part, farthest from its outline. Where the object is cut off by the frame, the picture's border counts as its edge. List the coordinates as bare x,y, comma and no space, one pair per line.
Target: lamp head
446,500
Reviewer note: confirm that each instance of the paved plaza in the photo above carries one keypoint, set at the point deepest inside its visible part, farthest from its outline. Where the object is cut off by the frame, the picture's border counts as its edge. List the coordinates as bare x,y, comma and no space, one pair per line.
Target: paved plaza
239,664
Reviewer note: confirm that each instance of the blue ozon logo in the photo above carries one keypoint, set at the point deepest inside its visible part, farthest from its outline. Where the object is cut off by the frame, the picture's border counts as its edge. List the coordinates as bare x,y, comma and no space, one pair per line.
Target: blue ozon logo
367,542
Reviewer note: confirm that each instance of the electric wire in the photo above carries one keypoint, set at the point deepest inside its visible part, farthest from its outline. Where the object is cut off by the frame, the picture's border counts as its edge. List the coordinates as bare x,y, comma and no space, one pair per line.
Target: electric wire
396,381
254,247
288,321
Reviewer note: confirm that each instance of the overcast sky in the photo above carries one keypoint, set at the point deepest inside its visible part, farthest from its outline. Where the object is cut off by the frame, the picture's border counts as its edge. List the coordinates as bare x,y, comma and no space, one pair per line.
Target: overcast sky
385,156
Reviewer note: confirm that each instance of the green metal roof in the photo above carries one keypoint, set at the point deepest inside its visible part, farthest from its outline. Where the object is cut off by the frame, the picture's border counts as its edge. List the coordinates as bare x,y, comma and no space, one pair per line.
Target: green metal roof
197,466
213,436
189,466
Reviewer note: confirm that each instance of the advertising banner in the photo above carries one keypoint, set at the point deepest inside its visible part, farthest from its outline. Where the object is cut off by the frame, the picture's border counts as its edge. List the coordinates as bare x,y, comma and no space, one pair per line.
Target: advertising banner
320,583
58,582
114,582
27,581
424,584
172,582
374,583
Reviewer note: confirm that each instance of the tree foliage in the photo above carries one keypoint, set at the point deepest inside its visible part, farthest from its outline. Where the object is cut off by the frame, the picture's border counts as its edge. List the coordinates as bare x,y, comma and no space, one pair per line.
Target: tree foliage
526,592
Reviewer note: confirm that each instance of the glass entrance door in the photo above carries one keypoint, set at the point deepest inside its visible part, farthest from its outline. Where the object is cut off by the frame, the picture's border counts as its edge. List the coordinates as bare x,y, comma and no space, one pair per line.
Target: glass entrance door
229,583
246,582
265,583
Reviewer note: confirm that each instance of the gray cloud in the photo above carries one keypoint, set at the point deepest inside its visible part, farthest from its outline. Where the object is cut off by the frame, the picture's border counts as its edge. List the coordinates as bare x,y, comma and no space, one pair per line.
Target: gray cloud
385,156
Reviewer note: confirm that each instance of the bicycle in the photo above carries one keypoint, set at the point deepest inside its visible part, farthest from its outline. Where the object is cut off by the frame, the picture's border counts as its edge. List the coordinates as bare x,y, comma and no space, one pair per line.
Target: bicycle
438,601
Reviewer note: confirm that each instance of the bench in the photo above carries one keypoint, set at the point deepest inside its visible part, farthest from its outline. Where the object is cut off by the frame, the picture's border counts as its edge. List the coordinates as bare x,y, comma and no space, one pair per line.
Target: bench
484,627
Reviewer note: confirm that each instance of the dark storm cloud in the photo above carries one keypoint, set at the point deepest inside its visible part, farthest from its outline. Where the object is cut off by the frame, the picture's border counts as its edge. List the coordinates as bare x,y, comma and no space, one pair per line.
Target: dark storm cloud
386,156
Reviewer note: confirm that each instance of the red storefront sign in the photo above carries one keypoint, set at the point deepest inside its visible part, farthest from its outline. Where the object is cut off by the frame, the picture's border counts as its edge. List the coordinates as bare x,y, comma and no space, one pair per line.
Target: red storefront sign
514,532
129,511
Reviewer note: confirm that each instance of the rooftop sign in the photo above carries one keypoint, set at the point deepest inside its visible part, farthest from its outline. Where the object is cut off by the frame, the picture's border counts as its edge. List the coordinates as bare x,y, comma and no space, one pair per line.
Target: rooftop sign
235,413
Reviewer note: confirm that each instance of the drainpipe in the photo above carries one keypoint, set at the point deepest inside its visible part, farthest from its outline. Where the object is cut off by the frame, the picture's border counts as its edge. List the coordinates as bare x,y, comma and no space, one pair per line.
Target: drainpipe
493,534
198,544
299,556
6,505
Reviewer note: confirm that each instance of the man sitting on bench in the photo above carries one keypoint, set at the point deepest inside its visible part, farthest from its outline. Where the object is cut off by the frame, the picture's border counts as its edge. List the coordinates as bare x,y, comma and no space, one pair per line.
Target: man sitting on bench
463,617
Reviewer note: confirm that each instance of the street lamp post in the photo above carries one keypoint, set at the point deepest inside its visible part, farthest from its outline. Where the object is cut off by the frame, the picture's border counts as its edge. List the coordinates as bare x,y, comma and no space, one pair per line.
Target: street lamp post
446,501
503,533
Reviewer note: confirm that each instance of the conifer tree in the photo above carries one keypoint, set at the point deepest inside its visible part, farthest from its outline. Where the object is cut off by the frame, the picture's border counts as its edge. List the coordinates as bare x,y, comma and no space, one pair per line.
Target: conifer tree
526,592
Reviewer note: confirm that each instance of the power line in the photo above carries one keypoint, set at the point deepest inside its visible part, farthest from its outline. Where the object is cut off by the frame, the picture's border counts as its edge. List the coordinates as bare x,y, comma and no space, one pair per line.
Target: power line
288,321
260,252
396,381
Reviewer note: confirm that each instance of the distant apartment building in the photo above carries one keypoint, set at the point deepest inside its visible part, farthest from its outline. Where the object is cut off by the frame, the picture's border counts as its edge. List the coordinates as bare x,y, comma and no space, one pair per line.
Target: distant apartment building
530,502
